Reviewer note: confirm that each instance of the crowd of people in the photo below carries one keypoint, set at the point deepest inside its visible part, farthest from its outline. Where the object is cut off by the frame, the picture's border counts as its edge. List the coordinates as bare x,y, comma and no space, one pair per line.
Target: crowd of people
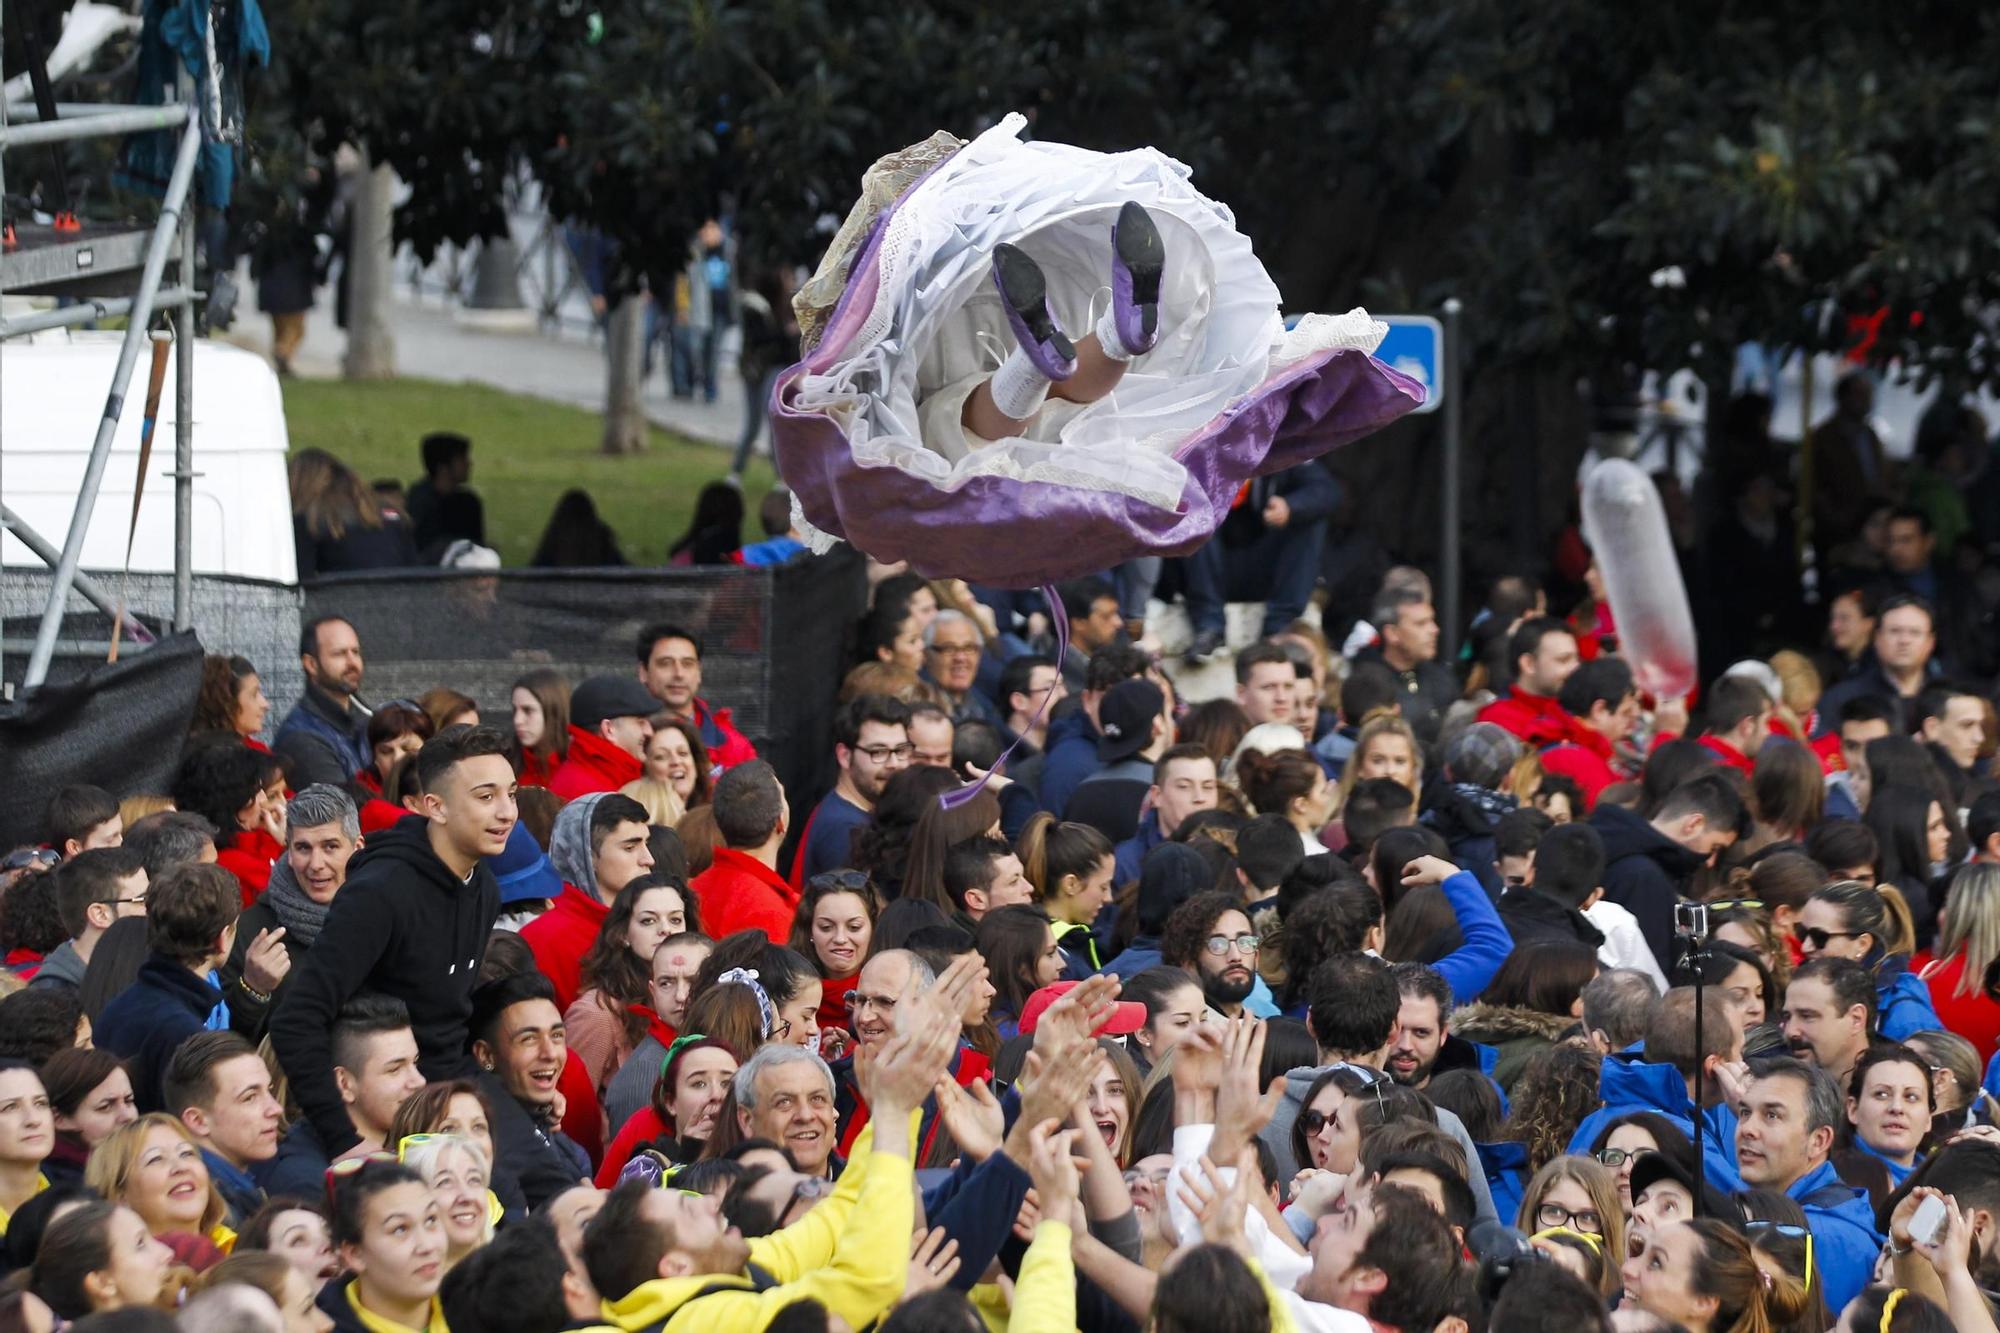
1381,992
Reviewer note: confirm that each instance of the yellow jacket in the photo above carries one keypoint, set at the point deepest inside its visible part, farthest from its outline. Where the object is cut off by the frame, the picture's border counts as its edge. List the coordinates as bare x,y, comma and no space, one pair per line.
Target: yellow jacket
851,1253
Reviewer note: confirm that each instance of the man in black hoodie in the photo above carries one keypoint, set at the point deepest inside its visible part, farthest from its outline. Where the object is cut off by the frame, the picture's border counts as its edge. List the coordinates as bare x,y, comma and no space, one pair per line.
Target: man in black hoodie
1648,863
410,922
1569,870
520,1044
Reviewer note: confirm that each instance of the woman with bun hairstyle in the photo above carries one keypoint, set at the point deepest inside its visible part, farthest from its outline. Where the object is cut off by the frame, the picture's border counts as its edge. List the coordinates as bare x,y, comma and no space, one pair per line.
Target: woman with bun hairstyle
1071,866
1704,1275
99,1257
1849,919
1290,783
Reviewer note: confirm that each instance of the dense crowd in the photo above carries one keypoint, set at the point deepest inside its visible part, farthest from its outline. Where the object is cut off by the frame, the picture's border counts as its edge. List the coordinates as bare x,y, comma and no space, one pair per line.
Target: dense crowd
1383,993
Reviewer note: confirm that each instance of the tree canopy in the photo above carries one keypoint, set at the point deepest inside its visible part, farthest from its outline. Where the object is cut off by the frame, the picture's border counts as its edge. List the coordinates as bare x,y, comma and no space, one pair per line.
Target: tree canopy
1606,187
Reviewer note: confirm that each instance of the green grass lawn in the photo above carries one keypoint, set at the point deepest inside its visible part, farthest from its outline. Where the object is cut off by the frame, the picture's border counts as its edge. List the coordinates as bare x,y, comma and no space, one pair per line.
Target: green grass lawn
525,453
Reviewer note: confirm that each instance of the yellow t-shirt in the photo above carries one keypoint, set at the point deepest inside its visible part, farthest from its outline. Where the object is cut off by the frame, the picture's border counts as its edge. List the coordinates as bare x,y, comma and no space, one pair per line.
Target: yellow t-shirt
41,1183
375,1323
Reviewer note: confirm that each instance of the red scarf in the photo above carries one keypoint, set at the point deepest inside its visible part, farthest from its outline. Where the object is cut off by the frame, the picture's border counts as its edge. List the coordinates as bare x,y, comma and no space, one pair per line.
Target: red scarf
656,1027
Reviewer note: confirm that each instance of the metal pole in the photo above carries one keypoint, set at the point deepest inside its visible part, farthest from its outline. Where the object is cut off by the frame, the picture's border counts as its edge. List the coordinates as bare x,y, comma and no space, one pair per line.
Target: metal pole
184,407
1449,556
87,309
93,591
93,127
114,405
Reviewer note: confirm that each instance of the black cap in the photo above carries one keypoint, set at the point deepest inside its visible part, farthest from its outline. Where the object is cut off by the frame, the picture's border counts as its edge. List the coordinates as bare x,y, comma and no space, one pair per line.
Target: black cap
603,697
1653,1167
1125,718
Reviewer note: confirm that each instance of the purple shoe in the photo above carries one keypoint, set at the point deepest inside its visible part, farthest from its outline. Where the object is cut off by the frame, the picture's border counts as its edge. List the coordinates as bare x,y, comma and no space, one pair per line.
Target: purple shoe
1137,260
1025,293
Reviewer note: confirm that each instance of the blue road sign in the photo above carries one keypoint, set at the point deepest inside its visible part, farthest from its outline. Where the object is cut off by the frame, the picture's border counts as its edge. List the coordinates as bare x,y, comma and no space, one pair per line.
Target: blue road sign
1415,346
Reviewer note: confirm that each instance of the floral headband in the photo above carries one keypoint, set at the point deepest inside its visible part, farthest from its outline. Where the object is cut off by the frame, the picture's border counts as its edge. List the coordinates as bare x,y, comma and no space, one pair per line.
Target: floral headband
767,1011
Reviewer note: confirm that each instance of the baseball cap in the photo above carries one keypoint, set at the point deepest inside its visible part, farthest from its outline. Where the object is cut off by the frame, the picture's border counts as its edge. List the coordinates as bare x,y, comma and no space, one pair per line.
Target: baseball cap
1127,1016
1125,718
602,697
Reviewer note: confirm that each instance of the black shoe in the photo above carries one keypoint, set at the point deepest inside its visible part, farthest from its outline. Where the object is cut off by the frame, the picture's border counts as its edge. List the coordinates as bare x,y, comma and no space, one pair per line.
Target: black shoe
1207,643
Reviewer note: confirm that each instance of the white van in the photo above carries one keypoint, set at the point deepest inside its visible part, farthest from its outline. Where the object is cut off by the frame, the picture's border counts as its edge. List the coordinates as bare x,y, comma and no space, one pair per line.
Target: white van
52,394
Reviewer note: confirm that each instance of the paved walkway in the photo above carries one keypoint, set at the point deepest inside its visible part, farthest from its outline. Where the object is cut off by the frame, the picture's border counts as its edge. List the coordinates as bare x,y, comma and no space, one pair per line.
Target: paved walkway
436,343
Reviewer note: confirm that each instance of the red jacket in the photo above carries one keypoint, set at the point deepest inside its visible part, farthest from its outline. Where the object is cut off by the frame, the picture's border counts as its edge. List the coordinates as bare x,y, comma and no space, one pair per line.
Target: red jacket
1586,758
249,857
739,892
536,771
1537,719
561,936
594,764
1728,754
1973,1017
727,747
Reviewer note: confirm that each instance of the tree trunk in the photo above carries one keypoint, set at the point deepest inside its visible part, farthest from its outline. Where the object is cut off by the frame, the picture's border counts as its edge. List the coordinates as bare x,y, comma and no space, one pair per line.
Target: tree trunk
371,257
624,417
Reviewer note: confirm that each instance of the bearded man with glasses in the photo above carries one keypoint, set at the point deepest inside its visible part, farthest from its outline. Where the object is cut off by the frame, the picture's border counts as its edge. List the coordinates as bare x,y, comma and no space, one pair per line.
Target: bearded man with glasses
871,745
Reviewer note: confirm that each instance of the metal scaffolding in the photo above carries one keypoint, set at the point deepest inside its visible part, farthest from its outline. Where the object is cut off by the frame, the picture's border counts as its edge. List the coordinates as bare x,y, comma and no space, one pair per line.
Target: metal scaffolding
75,264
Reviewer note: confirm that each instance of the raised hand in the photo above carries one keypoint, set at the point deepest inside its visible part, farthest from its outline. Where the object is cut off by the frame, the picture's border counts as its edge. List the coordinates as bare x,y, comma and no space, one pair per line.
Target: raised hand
265,962
1428,870
1050,1090
1219,1207
1317,1192
1241,1108
972,1116
953,989
1077,1014
1198,1059
1051,1167
933,1262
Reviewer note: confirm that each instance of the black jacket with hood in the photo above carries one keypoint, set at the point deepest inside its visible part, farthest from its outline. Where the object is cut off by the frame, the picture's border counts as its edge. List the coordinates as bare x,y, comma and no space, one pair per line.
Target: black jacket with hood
401,925
1645,872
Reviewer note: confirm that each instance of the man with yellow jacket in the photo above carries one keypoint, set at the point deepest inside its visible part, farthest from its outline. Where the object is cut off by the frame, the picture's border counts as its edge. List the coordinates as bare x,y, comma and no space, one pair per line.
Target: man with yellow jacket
662,1259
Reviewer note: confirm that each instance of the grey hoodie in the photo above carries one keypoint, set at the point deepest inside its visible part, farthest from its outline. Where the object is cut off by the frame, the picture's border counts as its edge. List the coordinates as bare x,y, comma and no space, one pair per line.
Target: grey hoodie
1277,1136
569,844
63,966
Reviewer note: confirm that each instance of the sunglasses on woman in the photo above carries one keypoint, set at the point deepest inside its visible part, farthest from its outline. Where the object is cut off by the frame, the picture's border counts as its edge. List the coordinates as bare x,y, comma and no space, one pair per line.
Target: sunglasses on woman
1812,937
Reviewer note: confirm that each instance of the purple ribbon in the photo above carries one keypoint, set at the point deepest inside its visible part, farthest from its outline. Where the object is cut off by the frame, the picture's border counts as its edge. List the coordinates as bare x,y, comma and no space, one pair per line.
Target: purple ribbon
951,800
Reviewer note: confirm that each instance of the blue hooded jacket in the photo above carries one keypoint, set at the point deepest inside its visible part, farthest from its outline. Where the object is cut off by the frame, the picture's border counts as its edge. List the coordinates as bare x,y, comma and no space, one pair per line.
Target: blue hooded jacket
1068,757
1506,1168
1843,1227
1627,1084
1902,1001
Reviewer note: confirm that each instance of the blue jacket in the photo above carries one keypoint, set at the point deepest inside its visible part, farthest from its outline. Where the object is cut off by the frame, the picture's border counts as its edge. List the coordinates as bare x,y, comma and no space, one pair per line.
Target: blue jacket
164,1006
1470,968
1902,1002
1628,1084
1843,1227
977,1204
1068,758
1128,855
299,1168
1506,1168
239,1189
1143,952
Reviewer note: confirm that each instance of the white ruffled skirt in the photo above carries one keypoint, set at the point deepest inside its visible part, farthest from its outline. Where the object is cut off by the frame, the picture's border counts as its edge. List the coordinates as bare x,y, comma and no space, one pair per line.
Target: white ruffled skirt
937,329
